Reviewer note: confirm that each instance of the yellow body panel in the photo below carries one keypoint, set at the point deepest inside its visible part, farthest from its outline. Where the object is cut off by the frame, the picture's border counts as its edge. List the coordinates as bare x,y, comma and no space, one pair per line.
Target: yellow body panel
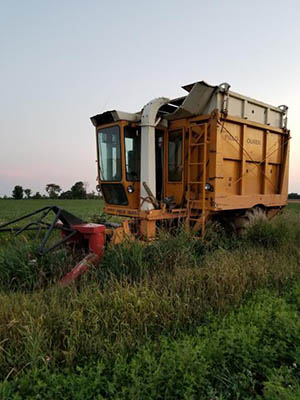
251,167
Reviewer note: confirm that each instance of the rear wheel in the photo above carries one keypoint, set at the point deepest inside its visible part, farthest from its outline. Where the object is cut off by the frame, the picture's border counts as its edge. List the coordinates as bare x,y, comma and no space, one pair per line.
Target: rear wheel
248,218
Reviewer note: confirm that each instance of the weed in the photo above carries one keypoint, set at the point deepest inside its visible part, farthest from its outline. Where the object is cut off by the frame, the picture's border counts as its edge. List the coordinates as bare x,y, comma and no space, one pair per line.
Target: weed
148,322
21,269
251,353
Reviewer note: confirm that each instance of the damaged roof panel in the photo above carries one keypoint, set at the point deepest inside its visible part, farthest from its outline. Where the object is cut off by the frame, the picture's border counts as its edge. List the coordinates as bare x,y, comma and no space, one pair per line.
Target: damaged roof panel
202,99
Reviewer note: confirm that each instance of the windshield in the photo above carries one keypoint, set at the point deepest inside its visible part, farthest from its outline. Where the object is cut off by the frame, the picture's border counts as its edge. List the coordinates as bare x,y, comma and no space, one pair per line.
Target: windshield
175,156
132,153
110,154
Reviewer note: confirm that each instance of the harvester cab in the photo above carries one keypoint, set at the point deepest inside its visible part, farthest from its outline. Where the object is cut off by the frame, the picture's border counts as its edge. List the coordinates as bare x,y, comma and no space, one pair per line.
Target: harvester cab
212,153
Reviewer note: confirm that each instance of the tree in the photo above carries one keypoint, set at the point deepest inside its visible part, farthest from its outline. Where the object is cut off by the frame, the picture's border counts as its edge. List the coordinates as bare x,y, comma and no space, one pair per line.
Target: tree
92,195
294,196
53,190
28,193
18,192
66,195
78,191
37,196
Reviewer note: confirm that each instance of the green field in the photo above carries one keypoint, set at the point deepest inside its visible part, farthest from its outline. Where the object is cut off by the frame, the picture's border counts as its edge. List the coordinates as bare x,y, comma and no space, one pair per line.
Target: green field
180,318
10,209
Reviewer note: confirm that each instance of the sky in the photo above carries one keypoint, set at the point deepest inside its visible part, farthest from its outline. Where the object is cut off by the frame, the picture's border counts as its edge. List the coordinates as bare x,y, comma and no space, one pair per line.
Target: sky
63,61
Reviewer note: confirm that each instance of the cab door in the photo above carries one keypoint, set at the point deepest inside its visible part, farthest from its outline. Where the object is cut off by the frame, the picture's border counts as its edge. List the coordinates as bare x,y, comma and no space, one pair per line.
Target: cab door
174,171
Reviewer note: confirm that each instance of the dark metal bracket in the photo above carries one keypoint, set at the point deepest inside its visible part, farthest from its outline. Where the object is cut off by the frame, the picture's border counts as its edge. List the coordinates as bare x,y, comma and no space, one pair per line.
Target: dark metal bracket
67,219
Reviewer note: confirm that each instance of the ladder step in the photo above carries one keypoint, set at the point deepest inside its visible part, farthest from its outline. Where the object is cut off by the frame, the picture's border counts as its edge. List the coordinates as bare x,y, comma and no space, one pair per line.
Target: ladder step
199,144
196,163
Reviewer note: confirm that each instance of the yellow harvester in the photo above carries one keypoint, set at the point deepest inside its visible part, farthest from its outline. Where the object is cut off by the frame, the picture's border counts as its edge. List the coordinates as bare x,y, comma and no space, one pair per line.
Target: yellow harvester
210,154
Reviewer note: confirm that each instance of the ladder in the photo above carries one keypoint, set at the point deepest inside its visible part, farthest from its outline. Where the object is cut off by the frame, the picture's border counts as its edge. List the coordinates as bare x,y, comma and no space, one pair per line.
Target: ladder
196,179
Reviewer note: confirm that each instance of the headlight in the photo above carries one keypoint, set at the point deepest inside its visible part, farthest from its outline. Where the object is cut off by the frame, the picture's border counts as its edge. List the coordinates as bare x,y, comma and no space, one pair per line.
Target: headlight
98,188
209,188
130,189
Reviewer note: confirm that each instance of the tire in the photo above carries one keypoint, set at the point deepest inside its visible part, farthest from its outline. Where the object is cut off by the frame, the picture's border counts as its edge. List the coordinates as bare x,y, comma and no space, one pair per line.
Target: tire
242,222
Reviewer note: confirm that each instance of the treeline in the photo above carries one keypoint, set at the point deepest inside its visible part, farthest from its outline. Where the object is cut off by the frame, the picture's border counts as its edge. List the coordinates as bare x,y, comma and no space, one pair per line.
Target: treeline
294,196
54,191
77,191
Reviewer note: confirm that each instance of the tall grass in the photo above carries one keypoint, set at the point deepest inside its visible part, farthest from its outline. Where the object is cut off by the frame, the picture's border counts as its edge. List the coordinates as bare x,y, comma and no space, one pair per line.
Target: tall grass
137,293
22,270
251,353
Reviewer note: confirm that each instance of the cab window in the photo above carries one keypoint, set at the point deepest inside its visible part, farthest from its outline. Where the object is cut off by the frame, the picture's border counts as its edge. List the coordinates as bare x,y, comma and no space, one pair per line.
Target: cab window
132,153
175,156
110,154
